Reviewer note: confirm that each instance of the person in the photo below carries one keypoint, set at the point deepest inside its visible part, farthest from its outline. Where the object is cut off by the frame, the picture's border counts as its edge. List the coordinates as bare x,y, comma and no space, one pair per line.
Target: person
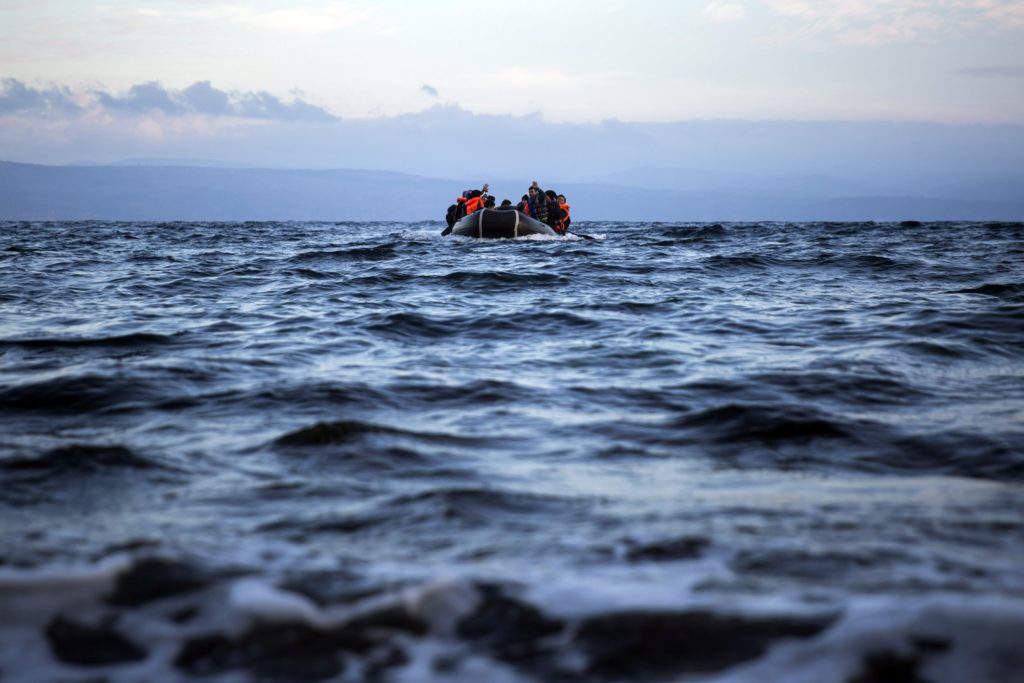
564,206
506,205
455,211
556,214
524,205
538,203
547,206
460,208
476,200
488,202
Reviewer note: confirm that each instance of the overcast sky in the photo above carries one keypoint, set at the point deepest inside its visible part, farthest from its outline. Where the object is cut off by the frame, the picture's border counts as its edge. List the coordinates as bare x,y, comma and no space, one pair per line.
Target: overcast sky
563,87
570,60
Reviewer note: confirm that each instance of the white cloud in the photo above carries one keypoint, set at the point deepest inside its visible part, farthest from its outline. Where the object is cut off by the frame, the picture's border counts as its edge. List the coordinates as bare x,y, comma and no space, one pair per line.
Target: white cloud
324,19
871,22
725,11
305,18
1008,15
521,77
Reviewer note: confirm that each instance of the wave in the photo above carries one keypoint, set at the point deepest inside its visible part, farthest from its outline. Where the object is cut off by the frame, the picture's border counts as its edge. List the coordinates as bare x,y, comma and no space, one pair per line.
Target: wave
89,393
869,263
650,645
340,432
741,262
382,279
376,253
431,509
403,394
475,393
133,340
769,424
16,249
996,455
874,263
480,502
966,334
857,389
407,324
80,458
414,325
803,437
1008,290
170,618
491,279
347,432
310,274
697,233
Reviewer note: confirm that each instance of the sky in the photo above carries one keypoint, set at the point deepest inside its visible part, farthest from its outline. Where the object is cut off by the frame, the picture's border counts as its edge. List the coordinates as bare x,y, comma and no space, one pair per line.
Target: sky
570,60
189,70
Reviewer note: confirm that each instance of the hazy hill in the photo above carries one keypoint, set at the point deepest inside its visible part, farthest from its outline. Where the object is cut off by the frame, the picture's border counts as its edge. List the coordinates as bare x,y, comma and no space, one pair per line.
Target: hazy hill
147,192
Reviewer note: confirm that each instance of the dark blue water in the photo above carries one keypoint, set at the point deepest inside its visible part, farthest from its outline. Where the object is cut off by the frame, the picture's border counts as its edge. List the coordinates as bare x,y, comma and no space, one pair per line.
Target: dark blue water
346,452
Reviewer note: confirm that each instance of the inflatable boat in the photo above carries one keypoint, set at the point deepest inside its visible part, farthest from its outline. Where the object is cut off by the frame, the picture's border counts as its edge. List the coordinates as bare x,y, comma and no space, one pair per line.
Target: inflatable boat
495,224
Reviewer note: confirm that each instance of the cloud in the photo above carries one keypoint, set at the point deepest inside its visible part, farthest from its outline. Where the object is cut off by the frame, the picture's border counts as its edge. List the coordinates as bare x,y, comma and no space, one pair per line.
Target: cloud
725,11
873,22
993,71
16,96
263,105
204,98
1009,15
305,18
143,98
526,77
152,98
429,89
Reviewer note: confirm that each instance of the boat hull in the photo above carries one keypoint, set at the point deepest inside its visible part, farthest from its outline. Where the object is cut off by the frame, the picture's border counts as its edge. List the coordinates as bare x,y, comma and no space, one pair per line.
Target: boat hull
494,224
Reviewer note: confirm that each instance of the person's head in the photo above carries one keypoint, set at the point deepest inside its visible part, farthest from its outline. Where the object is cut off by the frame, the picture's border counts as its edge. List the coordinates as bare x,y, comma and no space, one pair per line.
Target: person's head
475,193
506,202
551,194
489,203
532,192
526,198
561,199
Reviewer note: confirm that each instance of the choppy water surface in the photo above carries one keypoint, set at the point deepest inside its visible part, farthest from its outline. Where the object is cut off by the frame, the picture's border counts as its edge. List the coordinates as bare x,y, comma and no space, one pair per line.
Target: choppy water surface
346,452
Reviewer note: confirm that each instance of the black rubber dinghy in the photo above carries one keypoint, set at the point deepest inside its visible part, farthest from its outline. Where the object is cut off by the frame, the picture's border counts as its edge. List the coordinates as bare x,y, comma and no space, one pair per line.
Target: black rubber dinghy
494,224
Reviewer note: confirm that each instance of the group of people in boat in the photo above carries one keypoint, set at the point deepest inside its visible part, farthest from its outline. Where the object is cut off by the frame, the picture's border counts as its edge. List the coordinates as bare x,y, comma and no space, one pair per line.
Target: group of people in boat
547,206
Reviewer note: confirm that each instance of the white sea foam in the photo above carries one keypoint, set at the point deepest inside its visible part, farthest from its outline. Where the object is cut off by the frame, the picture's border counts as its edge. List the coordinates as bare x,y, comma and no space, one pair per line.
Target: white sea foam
257,598
953,638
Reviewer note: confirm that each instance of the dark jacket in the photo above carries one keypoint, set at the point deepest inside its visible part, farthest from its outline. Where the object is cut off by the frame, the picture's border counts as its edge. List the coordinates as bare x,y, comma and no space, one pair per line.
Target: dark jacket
539,206
554,211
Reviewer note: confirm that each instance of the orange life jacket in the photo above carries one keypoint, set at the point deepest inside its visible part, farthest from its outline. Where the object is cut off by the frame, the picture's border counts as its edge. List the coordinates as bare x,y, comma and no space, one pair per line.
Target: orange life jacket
473,203
560,226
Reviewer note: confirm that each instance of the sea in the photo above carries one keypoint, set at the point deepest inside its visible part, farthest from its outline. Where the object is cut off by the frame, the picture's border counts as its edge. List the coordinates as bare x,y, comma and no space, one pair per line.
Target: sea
728,453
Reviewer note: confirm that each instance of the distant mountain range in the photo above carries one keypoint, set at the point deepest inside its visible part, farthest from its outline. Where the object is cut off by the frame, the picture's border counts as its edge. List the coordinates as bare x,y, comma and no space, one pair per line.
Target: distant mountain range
197,190
161,161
